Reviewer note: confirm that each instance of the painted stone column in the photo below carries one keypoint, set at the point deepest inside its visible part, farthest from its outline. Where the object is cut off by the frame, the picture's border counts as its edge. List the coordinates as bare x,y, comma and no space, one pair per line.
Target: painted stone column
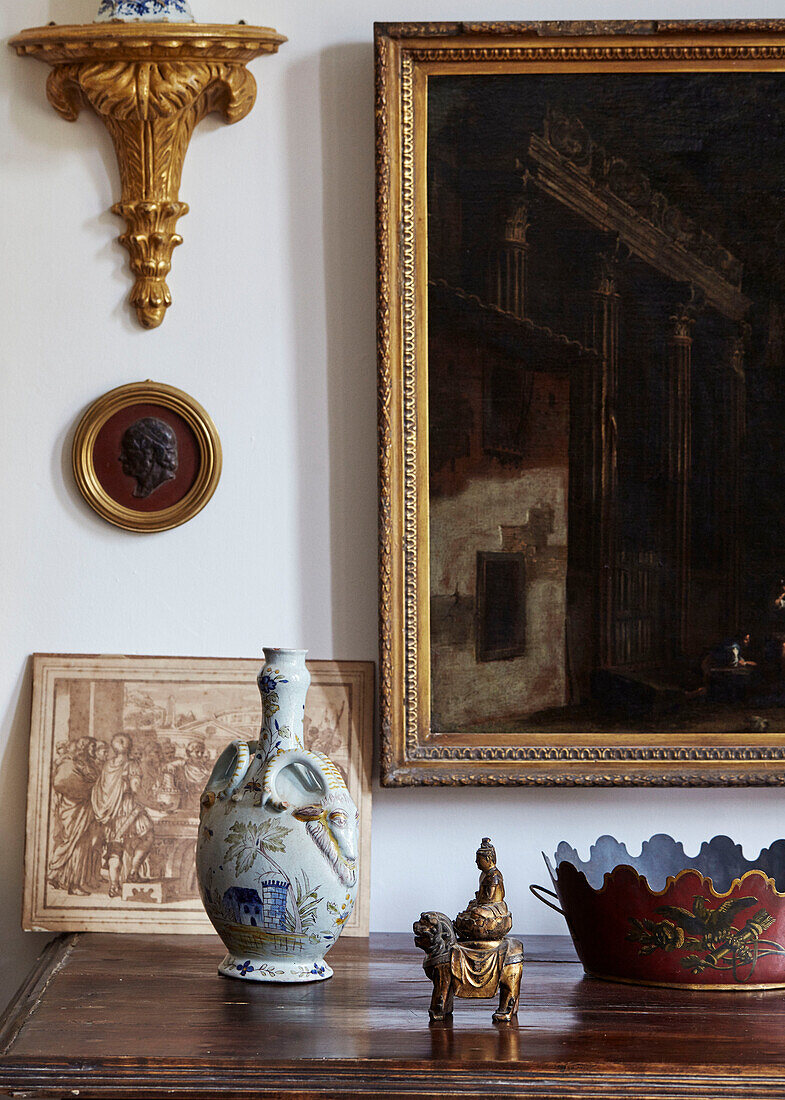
507,263
677,438
606,312
729,510
592,487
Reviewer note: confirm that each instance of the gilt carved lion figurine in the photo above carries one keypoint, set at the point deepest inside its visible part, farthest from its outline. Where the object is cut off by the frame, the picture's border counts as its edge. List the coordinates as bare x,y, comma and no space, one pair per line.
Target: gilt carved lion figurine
476,969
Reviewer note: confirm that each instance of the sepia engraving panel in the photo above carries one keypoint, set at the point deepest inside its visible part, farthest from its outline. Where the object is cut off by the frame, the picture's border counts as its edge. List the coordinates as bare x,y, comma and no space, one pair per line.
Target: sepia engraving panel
120,750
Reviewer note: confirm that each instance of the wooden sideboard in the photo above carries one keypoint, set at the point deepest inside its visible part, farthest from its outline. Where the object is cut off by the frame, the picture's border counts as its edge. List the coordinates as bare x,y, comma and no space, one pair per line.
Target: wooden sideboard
148,1016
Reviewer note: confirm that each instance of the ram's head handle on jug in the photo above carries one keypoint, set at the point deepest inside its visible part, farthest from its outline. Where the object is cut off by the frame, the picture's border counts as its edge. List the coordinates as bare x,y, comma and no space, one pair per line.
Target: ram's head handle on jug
331,819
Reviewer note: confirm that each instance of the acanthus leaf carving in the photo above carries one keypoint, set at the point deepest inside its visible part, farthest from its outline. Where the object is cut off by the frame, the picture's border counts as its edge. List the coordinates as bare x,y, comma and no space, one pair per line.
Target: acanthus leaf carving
63,92
151,92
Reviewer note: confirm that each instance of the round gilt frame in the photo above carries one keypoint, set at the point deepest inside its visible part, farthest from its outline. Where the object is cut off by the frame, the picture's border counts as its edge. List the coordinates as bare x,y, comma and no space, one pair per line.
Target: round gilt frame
208,441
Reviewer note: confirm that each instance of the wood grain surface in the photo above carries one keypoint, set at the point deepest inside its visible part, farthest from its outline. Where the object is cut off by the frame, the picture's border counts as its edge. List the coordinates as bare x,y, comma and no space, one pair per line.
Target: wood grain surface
148,1016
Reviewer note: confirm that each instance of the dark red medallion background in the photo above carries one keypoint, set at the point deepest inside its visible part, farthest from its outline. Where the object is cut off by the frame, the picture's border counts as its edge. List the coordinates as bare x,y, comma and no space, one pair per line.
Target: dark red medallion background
106,459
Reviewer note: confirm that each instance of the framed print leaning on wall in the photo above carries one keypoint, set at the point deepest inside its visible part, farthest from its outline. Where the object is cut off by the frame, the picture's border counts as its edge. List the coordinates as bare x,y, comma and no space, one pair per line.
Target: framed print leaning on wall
176,715
582,390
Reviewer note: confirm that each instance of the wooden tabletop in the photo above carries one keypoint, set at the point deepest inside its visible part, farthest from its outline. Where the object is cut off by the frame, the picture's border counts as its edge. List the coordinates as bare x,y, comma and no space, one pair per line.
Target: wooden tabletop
148,1016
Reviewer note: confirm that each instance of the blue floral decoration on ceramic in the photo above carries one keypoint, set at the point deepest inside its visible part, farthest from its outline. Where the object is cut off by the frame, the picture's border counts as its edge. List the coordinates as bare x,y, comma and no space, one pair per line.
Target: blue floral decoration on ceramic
245,968
163,10
268,683
317,970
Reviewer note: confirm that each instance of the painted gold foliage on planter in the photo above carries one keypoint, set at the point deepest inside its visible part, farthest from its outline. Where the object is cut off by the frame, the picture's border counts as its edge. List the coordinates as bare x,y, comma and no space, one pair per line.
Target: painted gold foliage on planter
151,87
715,941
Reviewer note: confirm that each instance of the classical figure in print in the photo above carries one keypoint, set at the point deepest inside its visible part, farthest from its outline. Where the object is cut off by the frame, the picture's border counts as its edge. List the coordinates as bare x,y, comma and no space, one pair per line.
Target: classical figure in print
75,862
184,779
128,829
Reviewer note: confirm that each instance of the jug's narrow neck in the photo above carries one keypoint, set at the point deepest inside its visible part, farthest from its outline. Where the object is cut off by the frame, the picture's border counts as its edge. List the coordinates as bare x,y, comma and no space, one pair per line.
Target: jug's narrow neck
283,683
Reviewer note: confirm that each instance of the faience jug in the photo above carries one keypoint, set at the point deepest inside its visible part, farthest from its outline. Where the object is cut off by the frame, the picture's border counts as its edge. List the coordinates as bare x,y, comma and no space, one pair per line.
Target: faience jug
144,11
276,857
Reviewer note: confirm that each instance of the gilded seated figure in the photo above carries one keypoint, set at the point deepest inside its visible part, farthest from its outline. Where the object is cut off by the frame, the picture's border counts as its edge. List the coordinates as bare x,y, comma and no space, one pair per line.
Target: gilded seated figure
487,916
474,956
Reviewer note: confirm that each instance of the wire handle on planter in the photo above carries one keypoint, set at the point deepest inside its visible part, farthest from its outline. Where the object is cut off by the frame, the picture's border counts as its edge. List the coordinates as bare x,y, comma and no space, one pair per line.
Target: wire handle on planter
550,904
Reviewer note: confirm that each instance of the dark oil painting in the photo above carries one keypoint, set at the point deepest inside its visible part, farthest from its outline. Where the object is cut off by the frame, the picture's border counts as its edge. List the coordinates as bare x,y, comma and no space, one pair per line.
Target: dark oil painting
606,408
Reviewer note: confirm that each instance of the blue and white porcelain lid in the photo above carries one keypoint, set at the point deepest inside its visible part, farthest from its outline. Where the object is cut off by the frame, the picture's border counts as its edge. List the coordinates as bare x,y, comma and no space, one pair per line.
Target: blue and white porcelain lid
144,11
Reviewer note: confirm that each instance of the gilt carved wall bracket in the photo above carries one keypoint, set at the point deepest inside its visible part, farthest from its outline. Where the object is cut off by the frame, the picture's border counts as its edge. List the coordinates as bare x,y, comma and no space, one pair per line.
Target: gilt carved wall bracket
151,84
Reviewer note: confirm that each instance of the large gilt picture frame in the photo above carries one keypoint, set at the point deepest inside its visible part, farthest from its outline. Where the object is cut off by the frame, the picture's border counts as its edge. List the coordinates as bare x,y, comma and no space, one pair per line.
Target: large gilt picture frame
175,716
581,338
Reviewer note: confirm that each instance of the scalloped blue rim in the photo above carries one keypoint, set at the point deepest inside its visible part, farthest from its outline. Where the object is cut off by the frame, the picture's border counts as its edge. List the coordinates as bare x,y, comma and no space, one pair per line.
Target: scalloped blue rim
721,860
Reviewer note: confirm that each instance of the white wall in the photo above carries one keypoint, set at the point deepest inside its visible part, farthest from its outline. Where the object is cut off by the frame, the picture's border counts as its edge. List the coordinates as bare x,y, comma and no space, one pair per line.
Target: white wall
273,331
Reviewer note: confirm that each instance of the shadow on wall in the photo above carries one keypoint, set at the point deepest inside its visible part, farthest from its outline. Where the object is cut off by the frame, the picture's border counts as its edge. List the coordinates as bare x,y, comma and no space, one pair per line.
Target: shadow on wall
20,949
73,11
49,139
347,97
330,110
64,483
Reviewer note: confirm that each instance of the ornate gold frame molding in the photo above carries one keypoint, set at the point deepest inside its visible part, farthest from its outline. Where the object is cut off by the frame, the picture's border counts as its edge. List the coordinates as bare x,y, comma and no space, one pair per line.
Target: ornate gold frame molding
407,54
151,84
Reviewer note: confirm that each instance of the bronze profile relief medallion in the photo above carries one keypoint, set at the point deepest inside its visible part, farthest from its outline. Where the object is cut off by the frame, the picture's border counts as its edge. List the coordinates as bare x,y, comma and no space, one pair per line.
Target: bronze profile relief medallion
146,457
148,453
